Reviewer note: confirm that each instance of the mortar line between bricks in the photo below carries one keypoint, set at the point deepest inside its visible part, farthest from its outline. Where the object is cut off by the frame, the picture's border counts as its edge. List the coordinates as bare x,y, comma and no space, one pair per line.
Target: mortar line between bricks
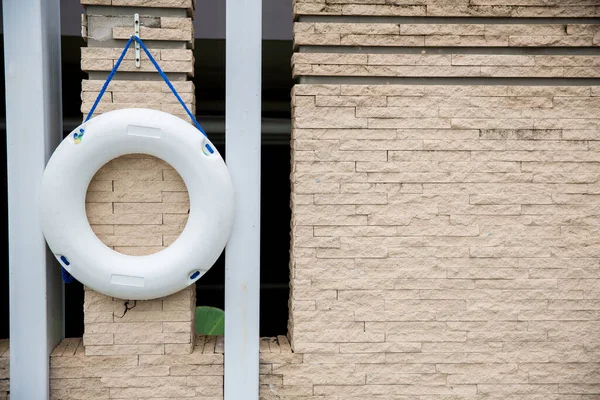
157,12
520,51
136,76
373,80
444,20
155,43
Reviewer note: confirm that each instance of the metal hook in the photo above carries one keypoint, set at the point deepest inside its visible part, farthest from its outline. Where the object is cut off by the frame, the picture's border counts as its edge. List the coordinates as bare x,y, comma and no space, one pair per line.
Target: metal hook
136,32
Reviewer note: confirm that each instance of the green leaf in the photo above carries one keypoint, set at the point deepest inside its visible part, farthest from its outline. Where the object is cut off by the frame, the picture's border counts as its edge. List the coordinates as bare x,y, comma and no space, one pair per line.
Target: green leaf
210,321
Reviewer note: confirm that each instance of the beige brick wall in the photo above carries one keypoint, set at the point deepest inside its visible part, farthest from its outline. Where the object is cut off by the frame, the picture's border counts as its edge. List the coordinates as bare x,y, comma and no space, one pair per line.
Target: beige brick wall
444,229
4,372
199,375
138,204
445,240
183,4
160,326
446,35
449,8
446,65
444,232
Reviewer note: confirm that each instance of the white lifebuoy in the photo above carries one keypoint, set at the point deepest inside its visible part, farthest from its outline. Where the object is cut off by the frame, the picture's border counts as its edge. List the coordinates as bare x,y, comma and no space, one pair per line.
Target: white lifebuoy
127,131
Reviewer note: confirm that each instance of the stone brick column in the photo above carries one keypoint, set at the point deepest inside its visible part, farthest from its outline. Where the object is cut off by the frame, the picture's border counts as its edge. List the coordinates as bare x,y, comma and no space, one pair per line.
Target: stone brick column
138,204
445,186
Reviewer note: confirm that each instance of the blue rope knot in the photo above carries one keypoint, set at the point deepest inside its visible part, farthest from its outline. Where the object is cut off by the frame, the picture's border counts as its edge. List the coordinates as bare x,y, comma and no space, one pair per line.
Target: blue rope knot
77,136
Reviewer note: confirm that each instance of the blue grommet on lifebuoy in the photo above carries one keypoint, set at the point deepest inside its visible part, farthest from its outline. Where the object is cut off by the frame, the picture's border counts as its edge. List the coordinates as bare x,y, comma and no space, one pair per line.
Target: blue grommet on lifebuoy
114,134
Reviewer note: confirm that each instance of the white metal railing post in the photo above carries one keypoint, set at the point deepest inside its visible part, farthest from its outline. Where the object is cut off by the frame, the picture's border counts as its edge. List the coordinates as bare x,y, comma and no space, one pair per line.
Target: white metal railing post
34,129
243,141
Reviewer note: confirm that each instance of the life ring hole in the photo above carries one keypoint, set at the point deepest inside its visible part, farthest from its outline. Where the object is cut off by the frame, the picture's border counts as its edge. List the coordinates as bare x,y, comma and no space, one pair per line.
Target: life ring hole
137,204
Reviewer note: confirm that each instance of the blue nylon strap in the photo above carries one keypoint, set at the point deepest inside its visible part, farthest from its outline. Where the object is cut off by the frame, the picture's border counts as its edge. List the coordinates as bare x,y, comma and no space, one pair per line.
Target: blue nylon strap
158,69
110,76
66,276
168,82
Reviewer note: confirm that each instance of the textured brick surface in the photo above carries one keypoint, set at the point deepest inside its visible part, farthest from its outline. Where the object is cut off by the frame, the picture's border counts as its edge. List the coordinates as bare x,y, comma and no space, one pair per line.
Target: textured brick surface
138,204
119,25
441,240
160,326
170,60
198,375
445,35
187,4
449,8
443,235
116,192
374,57
448,65
4,369
139,94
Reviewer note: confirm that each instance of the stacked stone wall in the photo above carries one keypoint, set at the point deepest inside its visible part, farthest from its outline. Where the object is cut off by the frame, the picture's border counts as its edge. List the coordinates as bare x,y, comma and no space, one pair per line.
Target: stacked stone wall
445,197
445,193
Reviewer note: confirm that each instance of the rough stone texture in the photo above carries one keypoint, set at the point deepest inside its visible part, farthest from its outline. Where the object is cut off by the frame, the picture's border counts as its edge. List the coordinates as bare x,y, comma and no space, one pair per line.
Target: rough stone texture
160,326
442,241
170,60
199,375
443,236
187,4
138,204
4,370
447,65
445,35
450,8
101,28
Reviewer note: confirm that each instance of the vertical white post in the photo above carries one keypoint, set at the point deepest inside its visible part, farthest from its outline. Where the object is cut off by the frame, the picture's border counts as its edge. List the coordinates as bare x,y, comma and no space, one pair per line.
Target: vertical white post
34,129
243,139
